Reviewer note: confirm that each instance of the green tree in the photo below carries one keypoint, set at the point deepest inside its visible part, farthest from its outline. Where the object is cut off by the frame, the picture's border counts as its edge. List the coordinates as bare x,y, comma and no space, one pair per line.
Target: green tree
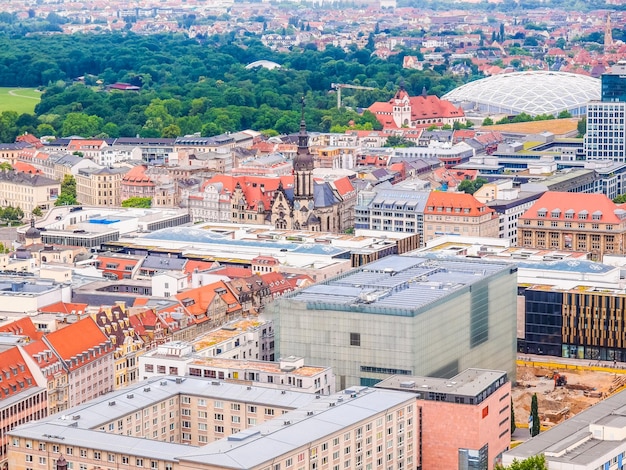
142,202
536,462
5,166
37,212
399,141
68,192
582,126
487,121
564,114
12,214
535,424
513,425
471,186
621,199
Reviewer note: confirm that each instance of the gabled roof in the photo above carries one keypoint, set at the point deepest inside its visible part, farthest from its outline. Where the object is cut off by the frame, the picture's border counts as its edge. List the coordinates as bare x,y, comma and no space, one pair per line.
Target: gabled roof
233,272
22,327
64,308
15,374
76,339
439,201
323,195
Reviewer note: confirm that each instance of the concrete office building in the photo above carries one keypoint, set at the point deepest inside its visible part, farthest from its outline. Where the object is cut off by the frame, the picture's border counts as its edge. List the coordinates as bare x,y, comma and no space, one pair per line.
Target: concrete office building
403,315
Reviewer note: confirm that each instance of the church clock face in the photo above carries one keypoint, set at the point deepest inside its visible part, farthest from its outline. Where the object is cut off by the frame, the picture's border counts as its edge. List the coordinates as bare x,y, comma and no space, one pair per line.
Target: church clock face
296,205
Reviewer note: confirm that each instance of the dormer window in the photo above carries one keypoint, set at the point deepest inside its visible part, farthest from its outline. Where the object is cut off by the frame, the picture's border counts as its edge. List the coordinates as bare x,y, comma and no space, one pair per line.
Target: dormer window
569,214
555,214
597,215
542,213
582,215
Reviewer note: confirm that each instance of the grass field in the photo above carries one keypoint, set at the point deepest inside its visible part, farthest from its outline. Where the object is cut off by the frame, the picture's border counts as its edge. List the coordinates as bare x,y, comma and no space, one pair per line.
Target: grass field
21,100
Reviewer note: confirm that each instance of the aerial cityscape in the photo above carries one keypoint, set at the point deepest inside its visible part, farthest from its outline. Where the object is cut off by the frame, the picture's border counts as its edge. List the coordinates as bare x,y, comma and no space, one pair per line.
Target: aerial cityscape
313,235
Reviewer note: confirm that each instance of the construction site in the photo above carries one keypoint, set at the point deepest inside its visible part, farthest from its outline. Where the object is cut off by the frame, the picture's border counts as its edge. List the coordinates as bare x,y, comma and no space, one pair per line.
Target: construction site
563,390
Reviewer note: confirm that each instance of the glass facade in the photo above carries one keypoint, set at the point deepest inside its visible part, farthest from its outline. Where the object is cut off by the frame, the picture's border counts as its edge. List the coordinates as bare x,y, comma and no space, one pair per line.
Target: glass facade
613,87
544,321
471,326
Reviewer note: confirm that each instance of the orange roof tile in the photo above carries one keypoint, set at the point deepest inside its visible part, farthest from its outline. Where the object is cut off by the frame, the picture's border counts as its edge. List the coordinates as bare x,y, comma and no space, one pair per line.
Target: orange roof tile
21,167
64,308
22,327
16,376
76,338
578,206
438,202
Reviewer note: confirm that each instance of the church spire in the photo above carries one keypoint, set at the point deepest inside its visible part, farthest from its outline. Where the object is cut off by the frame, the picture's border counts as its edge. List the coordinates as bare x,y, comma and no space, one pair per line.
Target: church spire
303,137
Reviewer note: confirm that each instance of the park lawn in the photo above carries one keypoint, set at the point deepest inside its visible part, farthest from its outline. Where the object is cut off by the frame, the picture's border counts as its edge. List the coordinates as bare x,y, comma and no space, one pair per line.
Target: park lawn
20,100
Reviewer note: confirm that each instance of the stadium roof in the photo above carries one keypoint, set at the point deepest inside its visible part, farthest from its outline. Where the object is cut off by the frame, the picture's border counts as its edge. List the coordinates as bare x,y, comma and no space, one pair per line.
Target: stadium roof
533,92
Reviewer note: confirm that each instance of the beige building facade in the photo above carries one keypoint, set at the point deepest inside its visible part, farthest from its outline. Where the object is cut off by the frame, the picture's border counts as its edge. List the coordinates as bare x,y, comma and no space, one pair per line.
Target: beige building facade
100,187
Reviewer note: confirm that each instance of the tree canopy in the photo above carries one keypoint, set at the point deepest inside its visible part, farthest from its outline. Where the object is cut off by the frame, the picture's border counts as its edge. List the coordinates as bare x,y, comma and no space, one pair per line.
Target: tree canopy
67,197
536,462
195,85
142,202
471,186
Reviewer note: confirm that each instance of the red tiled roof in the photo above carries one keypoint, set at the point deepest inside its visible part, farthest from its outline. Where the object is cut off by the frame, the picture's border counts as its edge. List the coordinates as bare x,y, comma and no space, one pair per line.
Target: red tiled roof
22,327
64,308
192,265
40,349
137,177
581,206
16,376
439,201
233,272
343,185
76,338
21,167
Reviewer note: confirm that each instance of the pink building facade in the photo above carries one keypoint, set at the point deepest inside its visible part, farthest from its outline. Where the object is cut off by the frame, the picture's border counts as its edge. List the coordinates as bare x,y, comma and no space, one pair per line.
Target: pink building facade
466,420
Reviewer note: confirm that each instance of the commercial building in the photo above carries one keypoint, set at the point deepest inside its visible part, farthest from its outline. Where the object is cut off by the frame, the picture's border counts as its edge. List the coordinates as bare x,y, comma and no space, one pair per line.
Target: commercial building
606,129
476,403
576,222
458,214
403,315
594,439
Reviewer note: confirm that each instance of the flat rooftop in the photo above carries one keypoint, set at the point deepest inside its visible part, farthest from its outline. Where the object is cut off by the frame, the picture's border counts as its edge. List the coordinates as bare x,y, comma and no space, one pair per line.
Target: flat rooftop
397,285
225,333
469,383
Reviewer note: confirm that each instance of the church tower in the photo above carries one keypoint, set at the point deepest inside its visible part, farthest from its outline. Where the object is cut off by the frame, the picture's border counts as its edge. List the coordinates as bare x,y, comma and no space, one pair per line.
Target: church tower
303,164
608,34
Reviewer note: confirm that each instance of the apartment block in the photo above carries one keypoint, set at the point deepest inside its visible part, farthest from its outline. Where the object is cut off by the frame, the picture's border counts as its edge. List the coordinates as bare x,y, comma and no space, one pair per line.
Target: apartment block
99,187
27,191
290,373
23,395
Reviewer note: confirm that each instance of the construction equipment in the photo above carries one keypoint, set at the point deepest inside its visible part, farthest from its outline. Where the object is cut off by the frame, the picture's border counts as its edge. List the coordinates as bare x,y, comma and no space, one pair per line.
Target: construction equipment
340,86
559,380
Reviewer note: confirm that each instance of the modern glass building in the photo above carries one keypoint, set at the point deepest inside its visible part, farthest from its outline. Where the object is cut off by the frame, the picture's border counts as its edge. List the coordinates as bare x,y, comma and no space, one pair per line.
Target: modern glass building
606,131
403,315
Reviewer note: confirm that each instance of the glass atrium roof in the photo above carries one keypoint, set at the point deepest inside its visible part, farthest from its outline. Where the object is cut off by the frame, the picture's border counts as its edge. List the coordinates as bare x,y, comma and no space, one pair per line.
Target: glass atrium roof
533,92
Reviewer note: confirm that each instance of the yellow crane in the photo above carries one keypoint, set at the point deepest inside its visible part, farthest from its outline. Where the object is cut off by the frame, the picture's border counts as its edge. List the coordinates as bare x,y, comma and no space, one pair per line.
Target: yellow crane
340,86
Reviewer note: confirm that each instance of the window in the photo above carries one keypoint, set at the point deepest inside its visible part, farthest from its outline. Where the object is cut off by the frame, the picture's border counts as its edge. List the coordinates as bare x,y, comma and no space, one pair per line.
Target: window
96,455
83,453
218,404
139,462
251,409
355,339
269,411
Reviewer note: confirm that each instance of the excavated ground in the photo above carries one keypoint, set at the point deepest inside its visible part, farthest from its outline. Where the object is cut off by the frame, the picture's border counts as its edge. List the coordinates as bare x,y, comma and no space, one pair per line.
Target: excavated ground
583,389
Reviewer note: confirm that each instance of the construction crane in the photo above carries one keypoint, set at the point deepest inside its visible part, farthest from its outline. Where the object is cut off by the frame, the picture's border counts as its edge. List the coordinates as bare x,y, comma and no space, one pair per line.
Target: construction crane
339,86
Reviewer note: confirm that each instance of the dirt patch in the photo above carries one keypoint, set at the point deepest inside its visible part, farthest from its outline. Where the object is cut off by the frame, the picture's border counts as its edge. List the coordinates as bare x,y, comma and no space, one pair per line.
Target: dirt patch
557,403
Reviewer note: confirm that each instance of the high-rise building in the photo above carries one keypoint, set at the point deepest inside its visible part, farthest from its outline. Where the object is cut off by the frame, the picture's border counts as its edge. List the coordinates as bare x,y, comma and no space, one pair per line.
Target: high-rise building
606,130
